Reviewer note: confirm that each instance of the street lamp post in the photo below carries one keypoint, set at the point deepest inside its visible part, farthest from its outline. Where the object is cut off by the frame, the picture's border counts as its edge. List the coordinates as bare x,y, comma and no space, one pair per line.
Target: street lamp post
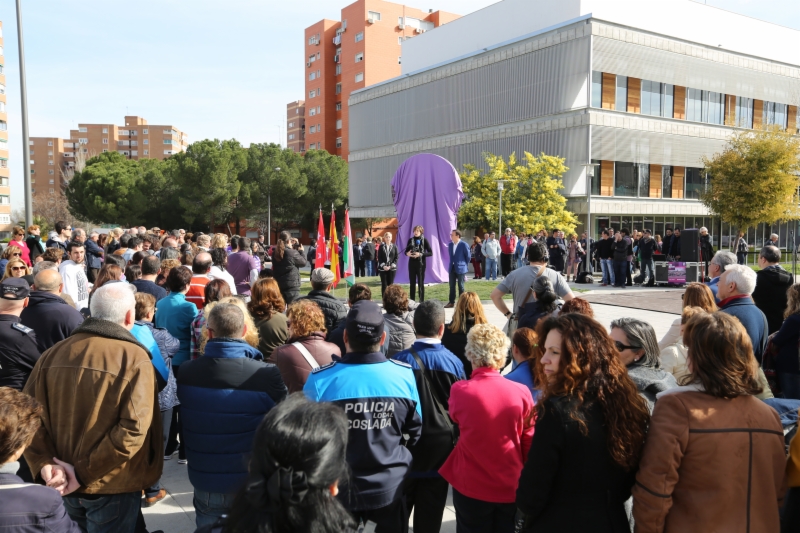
26,147
589,175
269,209
500,210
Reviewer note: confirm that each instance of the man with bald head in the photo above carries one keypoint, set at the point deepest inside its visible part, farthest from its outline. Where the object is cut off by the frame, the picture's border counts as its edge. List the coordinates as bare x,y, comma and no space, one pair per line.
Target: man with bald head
201,265
47,314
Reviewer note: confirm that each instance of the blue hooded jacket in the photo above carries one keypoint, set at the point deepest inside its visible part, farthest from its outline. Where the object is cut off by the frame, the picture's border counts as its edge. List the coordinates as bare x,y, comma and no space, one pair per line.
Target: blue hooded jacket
224,396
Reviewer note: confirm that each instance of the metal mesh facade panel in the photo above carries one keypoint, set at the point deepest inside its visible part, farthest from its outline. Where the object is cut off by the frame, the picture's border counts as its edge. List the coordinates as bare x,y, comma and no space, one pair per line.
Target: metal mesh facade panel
370,179
539,83
629,59
617,144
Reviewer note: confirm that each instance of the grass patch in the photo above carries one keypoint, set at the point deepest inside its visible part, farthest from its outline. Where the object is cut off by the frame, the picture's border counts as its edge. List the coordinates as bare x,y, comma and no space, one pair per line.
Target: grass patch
440,291
787,266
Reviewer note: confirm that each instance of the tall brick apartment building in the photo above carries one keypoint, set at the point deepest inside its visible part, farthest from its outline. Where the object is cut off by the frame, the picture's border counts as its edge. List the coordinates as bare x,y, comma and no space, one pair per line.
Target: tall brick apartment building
361,49
135,140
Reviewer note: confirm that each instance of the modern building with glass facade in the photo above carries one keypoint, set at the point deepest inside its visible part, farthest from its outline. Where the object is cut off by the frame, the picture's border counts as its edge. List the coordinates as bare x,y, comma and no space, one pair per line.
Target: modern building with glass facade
642,89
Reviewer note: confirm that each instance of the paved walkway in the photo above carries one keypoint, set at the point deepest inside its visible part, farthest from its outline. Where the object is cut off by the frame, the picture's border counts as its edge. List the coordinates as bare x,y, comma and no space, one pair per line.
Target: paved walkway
175,514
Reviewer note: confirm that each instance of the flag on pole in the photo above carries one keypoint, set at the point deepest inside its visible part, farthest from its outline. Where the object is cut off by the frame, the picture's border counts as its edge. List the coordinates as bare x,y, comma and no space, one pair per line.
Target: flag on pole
334,250
319,260
347,249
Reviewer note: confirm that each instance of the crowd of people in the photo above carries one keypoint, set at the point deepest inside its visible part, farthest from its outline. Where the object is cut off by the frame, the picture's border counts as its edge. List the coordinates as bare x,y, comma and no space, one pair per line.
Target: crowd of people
305,413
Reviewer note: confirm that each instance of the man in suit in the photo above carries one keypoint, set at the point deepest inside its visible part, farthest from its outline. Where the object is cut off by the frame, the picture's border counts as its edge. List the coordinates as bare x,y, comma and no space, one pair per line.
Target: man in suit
417,249
555,247
368,253
459,259
387,262
358,258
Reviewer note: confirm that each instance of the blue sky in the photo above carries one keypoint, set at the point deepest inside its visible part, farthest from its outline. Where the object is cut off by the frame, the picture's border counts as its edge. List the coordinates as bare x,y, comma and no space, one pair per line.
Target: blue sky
211,68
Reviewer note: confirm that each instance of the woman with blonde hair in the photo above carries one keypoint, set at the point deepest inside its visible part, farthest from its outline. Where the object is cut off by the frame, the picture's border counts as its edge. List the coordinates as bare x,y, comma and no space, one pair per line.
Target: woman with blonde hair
787,363
266,306
467,313
591,424
11,252
696,295
166,266
715,457
250,336
16,268
306,349
18,241
673,357
113,241
494,416
219,240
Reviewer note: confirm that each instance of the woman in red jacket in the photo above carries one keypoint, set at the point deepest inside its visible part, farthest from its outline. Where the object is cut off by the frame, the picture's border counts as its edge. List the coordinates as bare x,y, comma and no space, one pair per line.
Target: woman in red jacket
18,240
494,416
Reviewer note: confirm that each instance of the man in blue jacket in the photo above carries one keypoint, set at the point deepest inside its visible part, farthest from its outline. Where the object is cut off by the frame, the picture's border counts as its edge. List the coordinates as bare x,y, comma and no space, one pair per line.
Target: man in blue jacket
224,395
381,402
734,291
436,369
459,259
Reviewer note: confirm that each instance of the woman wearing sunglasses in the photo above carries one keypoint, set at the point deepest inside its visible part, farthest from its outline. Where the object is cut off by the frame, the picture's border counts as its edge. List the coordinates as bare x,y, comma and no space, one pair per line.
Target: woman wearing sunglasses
18,241
16,268
11,252
636,343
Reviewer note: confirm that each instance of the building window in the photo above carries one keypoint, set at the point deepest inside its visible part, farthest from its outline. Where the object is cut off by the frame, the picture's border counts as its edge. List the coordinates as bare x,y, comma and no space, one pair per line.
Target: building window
104,150
666,181
82,130
167,141
312,93
146,152
359,36
359,77
338,88
105,130
597,89
695,183
82,140
50,143
312,129
312,76
146,141
105,141
312,112
339,124
374,15
359,57
399,60
657,99
338,142
621,102
144,132
625,179
338,106
338,69
134,143
52,182
775,114
400,40
744,112
705,106
291,136
291,124
50,162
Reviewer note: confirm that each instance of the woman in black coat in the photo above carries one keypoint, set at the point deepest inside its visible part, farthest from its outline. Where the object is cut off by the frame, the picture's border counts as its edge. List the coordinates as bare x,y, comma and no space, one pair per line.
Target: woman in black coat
285,264
417,249
582,462
387,262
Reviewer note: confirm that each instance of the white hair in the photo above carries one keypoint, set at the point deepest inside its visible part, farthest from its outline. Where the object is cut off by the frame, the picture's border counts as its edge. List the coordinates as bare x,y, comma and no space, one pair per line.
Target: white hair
112,302
774,236
487,345
703,229
743,276
724,258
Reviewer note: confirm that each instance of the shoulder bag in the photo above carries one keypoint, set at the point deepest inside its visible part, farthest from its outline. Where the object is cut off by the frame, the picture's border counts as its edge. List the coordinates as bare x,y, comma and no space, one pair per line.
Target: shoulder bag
306,355
513,319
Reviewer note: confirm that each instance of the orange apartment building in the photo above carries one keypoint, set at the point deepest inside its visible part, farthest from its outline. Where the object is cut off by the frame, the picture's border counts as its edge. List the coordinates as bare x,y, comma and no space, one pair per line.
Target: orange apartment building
135,140
296,126
5,191
362,49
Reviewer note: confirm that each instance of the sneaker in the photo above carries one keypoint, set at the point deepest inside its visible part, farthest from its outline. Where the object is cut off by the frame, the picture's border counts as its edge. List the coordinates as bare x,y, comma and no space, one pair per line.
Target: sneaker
155,499
170,456
182,461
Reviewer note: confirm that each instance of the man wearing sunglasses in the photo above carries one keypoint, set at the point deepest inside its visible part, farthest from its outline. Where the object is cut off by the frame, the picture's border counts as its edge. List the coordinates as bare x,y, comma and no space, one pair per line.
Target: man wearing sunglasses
60,237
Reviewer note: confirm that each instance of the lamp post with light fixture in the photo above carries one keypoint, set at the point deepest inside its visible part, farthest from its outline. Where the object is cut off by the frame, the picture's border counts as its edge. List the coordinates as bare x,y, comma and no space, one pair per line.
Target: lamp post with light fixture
589,175
500,210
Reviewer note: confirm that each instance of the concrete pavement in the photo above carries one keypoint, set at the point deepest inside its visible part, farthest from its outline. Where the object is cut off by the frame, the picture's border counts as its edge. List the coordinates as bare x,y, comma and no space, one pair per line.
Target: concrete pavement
175,514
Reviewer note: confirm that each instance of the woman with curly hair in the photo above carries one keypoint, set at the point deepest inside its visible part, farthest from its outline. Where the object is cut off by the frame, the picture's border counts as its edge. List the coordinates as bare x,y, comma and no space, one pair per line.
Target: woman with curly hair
267,306
467,313
306,349
577,305
715,454
399,320
590,429
494,416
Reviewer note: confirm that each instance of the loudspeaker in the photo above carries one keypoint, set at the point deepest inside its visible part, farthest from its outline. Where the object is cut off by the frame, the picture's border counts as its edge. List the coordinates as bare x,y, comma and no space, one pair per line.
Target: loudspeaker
690,246
662,273
693,272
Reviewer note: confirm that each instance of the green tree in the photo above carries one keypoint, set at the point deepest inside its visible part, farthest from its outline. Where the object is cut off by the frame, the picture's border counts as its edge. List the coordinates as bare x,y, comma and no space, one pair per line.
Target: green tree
754,179
108,190
207,175
261,182
326,183
531,198
163,205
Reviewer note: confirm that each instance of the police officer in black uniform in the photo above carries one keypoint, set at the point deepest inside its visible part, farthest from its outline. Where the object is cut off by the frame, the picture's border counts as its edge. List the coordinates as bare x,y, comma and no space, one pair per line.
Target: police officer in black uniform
18,350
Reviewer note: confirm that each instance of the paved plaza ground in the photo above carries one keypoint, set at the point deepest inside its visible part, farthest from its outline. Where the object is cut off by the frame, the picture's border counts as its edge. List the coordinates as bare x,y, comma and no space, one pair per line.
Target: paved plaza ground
659,307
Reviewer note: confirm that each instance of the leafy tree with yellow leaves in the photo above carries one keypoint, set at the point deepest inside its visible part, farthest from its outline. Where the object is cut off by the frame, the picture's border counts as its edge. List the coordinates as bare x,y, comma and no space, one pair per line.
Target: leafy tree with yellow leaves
755,179
531,198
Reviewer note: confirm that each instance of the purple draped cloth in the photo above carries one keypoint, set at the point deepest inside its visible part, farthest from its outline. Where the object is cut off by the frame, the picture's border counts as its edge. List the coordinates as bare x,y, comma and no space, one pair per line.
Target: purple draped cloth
427,192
